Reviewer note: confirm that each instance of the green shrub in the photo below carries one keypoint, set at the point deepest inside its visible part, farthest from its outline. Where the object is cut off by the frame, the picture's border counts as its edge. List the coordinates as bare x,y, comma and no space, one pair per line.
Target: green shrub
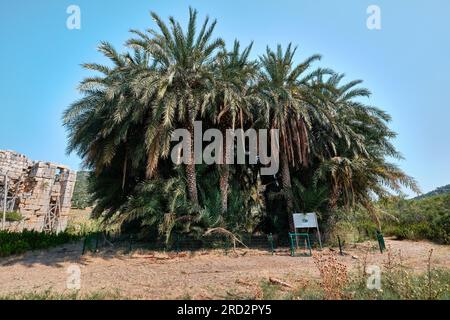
82,197
82,226
397,283
416,219
400,283
52,295
13,216
351,226
19,242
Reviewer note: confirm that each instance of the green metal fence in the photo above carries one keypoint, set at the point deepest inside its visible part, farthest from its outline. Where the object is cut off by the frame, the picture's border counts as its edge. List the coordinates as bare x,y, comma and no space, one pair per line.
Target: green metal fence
128,242
180,242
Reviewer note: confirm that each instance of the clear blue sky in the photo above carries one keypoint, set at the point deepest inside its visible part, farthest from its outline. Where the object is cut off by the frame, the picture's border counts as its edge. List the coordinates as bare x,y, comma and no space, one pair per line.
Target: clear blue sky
406,64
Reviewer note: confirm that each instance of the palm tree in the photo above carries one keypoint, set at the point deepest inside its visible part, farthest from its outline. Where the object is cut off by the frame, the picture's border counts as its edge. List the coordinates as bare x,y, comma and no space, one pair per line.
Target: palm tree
178,84
232,98
104,123
106,128
288,96
355,166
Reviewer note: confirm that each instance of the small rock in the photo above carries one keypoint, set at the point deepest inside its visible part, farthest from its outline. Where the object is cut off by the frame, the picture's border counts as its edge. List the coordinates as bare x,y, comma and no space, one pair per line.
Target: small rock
354,257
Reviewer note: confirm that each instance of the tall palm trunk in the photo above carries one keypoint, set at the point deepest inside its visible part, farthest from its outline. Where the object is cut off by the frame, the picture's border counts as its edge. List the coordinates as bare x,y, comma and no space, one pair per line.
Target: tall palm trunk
334,198
191,176
224,187
224,176
124,170
224,170
287,188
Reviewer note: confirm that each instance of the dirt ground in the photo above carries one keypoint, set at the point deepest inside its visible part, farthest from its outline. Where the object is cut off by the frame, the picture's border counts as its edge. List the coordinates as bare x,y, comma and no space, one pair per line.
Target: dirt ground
197,275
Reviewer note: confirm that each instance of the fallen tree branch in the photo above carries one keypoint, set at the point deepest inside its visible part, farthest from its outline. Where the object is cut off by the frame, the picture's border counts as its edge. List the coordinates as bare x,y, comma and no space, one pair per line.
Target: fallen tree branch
279,282
226,233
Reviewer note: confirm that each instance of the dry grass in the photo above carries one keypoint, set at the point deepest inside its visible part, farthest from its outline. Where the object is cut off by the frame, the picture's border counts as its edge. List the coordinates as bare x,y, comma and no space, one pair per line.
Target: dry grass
211,274
333,274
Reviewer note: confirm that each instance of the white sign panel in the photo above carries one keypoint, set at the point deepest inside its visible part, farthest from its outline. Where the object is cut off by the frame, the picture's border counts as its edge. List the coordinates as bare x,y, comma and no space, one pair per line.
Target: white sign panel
305,220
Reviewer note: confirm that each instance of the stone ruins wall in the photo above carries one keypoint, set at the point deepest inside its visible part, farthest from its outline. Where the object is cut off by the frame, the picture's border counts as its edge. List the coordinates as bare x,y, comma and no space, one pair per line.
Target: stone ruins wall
14,163
37,185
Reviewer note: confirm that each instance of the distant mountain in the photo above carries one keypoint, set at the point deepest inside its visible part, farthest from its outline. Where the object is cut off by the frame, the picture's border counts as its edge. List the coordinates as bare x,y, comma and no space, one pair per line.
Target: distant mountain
438,191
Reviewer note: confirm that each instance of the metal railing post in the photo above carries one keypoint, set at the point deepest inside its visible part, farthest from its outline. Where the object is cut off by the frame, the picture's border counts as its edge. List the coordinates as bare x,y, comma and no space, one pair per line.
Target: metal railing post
5,201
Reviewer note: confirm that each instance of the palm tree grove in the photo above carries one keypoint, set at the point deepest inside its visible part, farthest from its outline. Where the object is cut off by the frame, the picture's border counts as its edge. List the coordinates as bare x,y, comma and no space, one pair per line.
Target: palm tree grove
237,158
334,148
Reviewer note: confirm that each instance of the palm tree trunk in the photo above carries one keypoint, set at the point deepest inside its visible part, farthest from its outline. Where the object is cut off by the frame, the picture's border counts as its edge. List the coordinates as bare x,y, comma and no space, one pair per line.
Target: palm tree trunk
224,187
334,197
287,189
191,176
224,170
124,171
224,176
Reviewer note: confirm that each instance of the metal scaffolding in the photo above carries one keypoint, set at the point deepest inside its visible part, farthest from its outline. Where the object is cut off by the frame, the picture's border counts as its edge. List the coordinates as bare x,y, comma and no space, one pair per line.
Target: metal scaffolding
8,195
51,219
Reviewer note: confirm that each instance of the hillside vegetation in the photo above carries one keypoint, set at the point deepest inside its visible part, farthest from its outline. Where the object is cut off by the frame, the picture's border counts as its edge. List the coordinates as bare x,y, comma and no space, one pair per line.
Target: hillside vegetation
437,191
427,218
82,197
